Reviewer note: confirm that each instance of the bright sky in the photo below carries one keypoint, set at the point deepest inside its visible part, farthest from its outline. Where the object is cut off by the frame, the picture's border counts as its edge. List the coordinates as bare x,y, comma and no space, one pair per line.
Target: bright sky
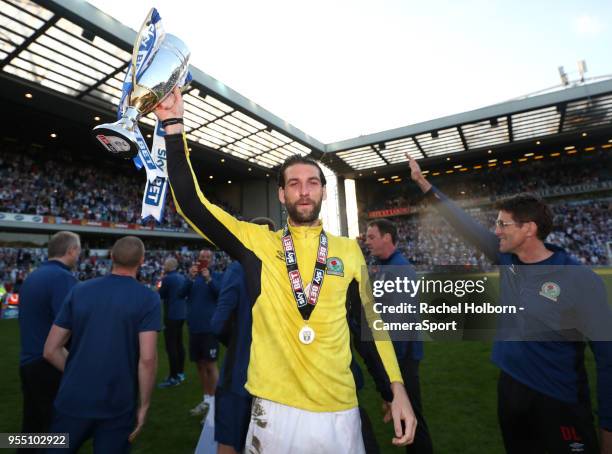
340,69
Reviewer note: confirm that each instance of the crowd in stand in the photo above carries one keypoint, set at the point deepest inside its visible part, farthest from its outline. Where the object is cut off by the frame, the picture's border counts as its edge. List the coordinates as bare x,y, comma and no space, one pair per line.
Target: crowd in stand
428,241
536,176
499,181
17,263
34,184
61,187
584,228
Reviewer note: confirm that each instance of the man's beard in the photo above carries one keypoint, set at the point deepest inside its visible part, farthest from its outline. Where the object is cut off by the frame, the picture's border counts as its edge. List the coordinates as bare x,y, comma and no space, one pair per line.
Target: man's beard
307,217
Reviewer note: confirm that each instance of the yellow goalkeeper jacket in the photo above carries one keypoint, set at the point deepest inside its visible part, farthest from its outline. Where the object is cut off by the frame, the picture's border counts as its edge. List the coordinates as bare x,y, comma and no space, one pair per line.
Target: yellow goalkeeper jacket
314,377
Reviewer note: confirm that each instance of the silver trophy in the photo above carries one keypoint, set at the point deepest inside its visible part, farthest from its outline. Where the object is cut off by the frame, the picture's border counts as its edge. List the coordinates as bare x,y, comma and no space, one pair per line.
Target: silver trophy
152,79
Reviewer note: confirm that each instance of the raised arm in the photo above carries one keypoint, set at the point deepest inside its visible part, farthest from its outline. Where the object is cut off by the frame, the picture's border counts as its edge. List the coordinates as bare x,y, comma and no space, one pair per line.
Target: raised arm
207,219
464,224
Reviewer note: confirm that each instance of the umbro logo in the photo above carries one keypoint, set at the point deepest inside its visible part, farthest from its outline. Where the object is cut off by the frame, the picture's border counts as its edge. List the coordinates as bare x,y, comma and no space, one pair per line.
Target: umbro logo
280,255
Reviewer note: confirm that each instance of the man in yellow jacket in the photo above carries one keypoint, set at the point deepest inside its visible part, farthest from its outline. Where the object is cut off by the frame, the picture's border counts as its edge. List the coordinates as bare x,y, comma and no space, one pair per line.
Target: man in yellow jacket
299,280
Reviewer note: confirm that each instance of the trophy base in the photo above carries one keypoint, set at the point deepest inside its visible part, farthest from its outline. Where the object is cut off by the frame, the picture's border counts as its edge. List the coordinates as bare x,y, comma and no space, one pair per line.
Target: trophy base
116,140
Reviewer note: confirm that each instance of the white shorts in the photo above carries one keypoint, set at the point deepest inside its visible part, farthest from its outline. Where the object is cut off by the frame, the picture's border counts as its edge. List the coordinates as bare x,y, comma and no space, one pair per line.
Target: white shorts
279,429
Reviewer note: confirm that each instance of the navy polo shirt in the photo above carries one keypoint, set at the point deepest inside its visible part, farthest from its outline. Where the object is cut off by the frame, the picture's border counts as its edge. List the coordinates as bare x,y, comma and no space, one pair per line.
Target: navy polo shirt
201,301
404,349
234,305
105,316
40,299
175,306
553,367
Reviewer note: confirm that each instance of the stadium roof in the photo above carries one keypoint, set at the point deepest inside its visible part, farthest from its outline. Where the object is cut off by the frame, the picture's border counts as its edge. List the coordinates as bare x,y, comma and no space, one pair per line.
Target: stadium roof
74,49
78,52
555,115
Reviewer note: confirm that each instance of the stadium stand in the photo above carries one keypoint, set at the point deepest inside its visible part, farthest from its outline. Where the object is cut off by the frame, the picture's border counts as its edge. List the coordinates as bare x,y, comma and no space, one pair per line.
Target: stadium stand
579,189
17,263
34,183
581,227
62,187
562,176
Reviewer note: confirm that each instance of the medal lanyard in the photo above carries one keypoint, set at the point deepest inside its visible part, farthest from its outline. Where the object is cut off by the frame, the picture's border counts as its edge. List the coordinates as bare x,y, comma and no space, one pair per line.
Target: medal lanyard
305,303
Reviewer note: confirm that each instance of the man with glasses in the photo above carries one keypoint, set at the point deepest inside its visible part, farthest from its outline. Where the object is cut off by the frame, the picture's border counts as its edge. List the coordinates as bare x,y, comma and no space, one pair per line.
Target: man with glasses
543,396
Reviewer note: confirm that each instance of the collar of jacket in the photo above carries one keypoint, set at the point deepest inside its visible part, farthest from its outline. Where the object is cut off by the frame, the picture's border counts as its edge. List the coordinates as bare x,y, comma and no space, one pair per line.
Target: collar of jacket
306,231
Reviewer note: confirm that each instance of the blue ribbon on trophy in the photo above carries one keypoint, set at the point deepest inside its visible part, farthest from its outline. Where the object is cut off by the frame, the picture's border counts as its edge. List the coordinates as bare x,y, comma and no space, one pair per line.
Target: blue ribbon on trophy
159,64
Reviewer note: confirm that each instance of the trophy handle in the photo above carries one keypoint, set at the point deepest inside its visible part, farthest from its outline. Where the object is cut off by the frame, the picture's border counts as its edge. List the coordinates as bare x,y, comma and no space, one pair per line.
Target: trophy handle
139,37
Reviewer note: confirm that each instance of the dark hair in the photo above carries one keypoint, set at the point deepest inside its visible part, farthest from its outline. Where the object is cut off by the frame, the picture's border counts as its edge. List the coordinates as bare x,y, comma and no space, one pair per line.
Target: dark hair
60,243
261,220
297,159
385,226
529,208
128,251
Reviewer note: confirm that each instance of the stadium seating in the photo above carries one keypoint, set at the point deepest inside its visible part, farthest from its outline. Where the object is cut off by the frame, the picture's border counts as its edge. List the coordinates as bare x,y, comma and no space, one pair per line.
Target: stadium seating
582,223
582,227
490,183
35,184
16,263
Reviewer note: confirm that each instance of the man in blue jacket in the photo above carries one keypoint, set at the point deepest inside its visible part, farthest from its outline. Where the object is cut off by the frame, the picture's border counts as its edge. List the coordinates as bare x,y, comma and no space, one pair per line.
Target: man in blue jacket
201,290
231,322
175,311
40,298
543,395
381,240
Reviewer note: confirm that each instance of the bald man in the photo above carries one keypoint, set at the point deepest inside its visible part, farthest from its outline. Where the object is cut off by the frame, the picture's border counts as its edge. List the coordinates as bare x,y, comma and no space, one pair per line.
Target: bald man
112,322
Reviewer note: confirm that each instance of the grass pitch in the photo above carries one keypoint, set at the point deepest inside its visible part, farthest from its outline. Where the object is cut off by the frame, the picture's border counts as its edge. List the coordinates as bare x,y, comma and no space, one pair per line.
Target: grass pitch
457,379
458,384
